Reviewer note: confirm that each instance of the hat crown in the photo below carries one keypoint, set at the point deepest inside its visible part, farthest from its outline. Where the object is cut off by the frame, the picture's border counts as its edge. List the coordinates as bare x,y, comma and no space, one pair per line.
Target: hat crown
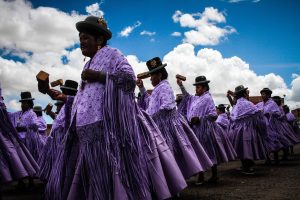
37,108
153,63
200,79
221,106
267,90
71,84
239,88
95,25
96,20
26,95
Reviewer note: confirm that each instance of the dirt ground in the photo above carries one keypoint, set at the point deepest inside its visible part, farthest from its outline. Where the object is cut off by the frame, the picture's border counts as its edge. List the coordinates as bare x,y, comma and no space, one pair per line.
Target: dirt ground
273,182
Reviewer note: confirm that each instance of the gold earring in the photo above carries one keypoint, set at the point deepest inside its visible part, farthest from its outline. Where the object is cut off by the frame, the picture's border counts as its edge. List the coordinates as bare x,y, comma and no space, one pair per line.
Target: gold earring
99,47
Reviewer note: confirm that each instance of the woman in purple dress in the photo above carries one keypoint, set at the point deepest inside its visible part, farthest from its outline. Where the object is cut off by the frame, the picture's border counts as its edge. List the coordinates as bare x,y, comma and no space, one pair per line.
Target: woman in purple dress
277,138
16,161
246,130
291,119
26,123
58,130
42,124
202,115
223,118
112,150
161,106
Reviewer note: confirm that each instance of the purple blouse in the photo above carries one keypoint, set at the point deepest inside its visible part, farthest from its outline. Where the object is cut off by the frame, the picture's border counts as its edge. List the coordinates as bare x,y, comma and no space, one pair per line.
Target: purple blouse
270,107
260,105
290,117
88,103
223,120
200,106
25,119
42,125
242,109
162,97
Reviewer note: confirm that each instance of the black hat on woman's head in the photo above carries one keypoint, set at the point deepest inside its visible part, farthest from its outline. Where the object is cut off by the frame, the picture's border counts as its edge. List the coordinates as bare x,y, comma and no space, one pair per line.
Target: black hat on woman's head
266,90
95,25
199,80
70,85
240,89
26,96
155,65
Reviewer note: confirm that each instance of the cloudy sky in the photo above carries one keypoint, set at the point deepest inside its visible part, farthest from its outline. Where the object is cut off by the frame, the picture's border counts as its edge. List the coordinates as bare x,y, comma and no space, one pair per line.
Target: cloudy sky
232,42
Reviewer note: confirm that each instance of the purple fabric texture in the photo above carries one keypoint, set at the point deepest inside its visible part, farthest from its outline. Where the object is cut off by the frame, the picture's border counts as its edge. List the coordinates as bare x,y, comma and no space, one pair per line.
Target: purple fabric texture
54,141
31,137
88,103
162,97
290,117
247,130
223,121
213,139
15,160
279,135
188,152
164,173
110,137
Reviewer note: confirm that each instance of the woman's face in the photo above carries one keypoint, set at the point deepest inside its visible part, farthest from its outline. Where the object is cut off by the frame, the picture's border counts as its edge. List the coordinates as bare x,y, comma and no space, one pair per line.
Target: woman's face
200,89
155,79
264,96
89,44
24,106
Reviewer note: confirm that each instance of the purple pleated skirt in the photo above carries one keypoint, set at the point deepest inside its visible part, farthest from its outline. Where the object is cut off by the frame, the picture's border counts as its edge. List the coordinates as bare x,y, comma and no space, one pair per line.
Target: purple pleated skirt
214,141
15,160
286,132
187,150
165,176
246,136
94,164
34,143
50,151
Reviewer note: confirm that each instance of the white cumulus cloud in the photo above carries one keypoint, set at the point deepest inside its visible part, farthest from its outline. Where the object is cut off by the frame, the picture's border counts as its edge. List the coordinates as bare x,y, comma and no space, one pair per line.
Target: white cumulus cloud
204,26
128,30
176,34
94,10
224,73
148,33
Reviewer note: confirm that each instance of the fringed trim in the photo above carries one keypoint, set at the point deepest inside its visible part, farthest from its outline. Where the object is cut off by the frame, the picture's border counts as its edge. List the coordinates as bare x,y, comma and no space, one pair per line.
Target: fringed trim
125,144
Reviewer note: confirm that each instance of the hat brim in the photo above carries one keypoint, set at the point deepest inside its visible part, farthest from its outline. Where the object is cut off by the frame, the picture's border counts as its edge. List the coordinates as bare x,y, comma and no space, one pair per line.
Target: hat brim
201,82
67,88
157,69
87,26
28,99
236,92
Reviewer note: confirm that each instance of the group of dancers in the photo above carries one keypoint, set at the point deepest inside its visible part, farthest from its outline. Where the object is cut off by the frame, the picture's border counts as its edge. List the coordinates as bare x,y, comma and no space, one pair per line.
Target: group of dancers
107,144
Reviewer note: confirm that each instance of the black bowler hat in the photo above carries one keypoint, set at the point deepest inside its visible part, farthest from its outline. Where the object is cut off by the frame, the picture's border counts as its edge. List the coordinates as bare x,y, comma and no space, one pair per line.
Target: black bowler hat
239,89
59,102
70,85
26,96
266,90
200,80
155,65
94,24
37,109
221,106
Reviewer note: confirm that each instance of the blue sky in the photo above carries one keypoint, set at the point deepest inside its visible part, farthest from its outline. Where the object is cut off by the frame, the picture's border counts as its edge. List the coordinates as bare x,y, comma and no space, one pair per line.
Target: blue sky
267,31
232,42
